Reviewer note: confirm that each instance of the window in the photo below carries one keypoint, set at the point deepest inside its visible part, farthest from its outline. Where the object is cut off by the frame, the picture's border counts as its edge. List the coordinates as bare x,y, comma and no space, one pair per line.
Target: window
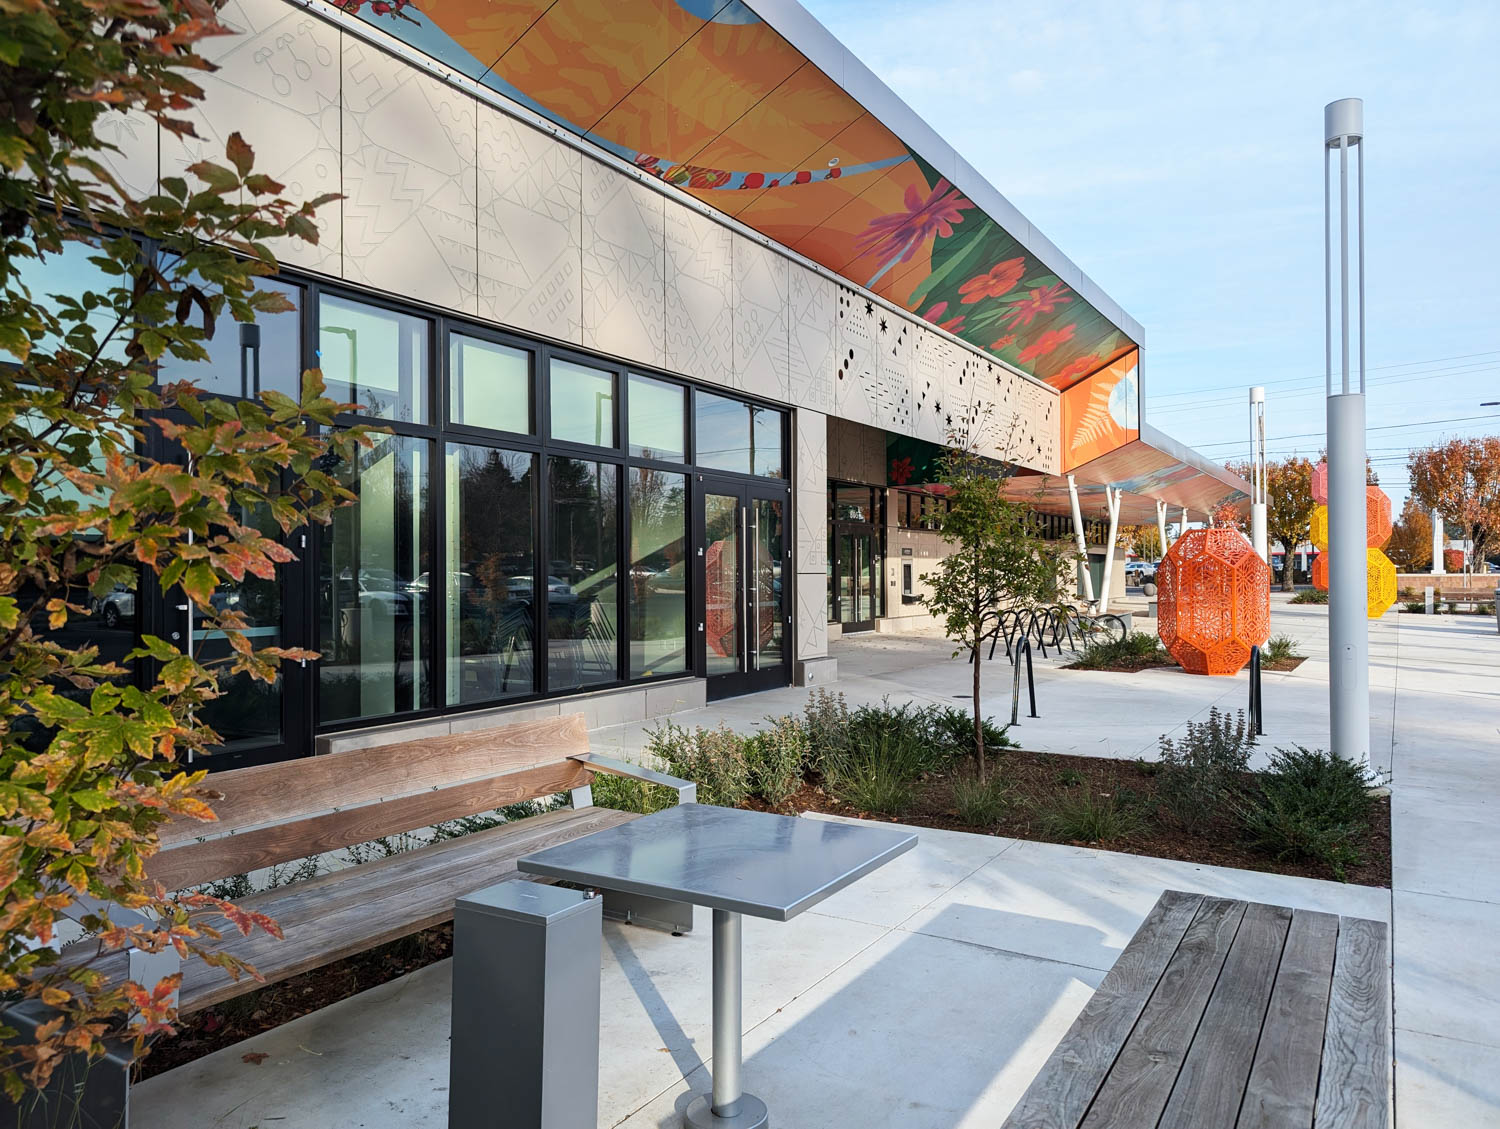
658,572
583,404
853,503
374,617
658,417
374,357
582,608
489,385
739,437
70,274
489,585
245,357
917,509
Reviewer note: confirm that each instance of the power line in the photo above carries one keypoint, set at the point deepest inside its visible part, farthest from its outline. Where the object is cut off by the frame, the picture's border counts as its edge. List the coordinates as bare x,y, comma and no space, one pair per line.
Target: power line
1385,382
1319,376
1382,427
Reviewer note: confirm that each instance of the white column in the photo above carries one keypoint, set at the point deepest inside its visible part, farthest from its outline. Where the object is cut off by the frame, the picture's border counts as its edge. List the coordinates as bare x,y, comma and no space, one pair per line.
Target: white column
1348,626
1113,496
1439,566
1161,525
1258,474
1081,541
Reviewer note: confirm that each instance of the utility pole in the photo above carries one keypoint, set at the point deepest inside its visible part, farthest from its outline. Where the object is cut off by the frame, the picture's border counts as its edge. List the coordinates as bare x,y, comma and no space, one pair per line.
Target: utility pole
1258,474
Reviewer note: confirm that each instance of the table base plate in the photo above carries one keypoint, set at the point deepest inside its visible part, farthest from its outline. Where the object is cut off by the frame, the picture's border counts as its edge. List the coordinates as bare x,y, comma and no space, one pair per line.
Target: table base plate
752,1114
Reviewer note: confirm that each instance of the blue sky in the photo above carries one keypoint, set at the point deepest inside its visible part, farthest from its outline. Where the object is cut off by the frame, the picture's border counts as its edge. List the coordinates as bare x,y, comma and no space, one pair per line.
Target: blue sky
1172,150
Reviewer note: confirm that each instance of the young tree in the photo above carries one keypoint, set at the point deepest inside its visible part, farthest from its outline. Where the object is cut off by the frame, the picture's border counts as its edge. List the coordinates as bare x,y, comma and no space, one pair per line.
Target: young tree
1410,546
1461,480
999,559
92,755
1289,507
1143,540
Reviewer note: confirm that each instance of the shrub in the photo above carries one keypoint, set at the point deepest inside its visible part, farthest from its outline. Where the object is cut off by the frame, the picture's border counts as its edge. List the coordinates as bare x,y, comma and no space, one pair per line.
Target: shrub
1137,650
1205,769
873,785
1310,596
1414,606
953,728
777,758
885,751
714,759
979,803
626,794
1280,649
1092,818
1309,805
1485,609
826,721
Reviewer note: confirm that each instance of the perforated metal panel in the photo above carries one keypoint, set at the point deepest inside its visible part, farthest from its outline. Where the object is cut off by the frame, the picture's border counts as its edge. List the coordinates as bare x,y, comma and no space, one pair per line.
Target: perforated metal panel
1214,600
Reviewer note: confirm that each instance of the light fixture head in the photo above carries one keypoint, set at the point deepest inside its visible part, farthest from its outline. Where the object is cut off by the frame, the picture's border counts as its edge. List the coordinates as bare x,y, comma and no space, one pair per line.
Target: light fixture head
1344,119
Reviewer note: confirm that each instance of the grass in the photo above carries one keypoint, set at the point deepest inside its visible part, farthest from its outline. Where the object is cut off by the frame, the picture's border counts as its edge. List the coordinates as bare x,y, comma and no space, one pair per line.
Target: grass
1283,648
1091,818
980,803
1136,651
1310,596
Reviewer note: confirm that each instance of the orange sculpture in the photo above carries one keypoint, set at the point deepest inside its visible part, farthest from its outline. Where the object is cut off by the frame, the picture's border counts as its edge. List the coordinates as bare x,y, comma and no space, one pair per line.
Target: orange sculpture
1320,572
1320,483
1377,517
1213,600
1380,583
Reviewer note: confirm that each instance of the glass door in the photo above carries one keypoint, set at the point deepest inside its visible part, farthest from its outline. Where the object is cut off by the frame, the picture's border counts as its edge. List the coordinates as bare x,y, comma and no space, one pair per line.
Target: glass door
744,567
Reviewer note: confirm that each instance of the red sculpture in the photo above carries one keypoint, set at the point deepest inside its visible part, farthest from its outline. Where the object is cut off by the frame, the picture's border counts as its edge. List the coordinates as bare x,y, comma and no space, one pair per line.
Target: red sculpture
1320,572
1214,600
1320,483
1377,517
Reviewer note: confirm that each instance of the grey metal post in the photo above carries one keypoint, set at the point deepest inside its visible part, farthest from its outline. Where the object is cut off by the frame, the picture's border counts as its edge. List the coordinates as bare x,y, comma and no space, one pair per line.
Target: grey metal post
727,1106
525,1029
1348,627
1258,536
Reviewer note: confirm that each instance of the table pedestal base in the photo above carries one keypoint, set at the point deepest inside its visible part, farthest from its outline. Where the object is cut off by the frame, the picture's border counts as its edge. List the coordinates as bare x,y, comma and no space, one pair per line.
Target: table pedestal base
700,1114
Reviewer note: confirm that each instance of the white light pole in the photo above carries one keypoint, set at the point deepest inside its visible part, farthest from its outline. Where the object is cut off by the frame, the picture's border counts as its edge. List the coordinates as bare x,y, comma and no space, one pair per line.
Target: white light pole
1258,474
1439,542
1348,626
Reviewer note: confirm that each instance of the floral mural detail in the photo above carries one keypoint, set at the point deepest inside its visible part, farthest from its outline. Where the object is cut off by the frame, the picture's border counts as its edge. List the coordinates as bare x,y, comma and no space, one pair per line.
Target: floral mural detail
1047,342
997,282
901,233
935,316
1042,300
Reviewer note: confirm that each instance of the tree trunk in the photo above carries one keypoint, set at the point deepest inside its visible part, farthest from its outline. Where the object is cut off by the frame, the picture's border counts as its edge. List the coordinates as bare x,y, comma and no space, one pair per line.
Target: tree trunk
1288,583
978,726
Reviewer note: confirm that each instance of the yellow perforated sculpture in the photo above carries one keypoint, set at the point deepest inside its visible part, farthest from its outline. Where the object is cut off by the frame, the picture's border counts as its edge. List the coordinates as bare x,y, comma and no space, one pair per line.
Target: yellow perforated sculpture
1380,583
1214,600
1320,572
1318,534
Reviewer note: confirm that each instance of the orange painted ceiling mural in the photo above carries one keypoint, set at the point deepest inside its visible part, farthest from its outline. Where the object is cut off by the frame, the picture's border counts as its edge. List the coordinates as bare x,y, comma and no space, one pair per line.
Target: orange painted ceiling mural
1101,412
708,97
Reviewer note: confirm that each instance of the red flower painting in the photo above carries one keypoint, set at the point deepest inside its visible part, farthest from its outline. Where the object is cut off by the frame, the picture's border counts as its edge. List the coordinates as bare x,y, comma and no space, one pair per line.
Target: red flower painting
952,325
1073,369
998,281
900,233
1047,342
901,471
1004,342
1042,300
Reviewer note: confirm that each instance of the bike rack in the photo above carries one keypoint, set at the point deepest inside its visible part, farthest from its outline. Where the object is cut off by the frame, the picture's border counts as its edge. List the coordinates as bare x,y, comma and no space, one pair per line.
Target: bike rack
1015,682
1257,709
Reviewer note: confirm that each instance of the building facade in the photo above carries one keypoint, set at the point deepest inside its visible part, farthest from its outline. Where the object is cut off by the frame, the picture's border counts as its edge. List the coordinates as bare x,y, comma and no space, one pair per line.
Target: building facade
666,306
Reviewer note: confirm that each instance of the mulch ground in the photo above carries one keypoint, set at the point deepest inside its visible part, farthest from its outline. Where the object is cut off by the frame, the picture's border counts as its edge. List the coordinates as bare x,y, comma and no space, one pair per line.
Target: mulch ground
1039,782
1165,662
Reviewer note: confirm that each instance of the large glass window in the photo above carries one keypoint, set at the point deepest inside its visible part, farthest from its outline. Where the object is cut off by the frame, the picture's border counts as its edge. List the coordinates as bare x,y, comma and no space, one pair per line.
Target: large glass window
739,437
583,404
658,418
244,358
489,385
374,618
490,583
582,599
658,572
374,357
765,435
69,274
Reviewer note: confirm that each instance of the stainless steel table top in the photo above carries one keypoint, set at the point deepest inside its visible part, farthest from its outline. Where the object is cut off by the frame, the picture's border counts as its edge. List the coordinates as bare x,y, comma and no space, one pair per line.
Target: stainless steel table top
752,862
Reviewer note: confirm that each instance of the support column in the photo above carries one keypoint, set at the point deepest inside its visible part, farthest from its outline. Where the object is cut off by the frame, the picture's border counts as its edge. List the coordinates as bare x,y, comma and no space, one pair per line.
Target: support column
1161,525
1113,495
813,665
1439,565
1258,475
1081,541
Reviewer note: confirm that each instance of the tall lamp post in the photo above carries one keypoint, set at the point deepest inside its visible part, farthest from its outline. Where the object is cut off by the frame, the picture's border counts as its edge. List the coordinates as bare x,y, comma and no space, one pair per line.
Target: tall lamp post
1258,474
1348,629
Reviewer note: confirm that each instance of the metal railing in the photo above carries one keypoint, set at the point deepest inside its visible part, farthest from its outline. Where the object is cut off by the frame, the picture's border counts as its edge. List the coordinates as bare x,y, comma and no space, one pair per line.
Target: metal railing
1024,646
1257,709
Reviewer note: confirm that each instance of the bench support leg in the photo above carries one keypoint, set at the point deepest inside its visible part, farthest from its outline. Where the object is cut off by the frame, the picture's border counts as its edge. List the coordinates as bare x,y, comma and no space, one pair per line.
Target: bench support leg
728,1106
642,909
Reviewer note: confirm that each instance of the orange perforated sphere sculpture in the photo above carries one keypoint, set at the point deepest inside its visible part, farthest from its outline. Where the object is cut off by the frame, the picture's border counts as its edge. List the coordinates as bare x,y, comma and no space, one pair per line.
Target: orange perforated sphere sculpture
1380,583
1377,517
1213,600
1320,572
1318,534
1320,483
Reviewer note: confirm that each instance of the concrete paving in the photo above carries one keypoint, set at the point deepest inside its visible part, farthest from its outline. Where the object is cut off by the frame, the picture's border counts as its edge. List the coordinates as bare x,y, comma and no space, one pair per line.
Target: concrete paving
930,993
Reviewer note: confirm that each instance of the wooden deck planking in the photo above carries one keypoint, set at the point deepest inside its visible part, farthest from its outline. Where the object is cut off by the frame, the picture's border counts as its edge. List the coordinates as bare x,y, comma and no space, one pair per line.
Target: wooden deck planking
1283,1087
1354,1091
1138,1085
1211,1085
1061,1094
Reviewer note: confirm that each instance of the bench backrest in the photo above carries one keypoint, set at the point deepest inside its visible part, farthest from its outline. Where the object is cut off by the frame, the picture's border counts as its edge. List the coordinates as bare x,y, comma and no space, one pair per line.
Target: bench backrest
277,813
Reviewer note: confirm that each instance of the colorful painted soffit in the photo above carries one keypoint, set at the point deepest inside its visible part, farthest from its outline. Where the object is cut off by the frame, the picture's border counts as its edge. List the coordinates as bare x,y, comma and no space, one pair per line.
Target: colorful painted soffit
708,97
1101,412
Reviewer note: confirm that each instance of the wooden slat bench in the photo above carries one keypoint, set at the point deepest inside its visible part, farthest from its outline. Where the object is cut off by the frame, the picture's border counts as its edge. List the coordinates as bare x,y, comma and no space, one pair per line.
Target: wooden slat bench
1228,1015
278,813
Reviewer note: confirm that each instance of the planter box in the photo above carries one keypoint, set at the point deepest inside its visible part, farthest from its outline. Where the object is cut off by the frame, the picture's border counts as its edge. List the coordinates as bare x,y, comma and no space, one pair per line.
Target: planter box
80,1094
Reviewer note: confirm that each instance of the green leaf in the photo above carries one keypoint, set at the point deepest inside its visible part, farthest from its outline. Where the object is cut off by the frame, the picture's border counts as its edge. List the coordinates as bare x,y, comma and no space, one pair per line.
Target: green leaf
13,152
10,52
90,799
217,177
10,613
177,675
199,581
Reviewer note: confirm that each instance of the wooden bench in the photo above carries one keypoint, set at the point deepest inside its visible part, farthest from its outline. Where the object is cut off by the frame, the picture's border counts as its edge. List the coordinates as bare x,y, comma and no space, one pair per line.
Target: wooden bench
1228,1015
278,813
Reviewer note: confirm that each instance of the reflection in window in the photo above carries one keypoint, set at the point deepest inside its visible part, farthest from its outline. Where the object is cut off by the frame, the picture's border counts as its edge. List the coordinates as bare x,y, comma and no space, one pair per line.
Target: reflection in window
658,572
244,358
765,454
70,274
723,438
374,357
374,618
489,385
582,607
583,404
490,581
657,418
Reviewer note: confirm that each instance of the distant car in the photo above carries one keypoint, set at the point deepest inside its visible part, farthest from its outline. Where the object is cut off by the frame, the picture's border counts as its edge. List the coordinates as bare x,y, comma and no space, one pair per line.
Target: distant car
117,607
1140,572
